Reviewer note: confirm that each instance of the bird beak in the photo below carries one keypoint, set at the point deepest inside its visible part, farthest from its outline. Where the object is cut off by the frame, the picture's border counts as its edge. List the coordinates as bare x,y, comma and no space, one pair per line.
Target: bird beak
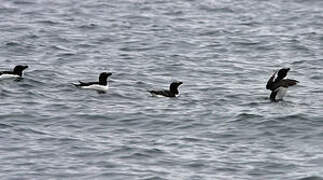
25,67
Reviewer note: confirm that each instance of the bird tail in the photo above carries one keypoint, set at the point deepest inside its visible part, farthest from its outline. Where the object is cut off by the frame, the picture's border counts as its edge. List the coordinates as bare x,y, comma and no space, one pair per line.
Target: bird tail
77,85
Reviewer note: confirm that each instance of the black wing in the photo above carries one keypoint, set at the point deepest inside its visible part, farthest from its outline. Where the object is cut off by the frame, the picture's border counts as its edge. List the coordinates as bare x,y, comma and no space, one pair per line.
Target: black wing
6,72
270,82
283,83
287,82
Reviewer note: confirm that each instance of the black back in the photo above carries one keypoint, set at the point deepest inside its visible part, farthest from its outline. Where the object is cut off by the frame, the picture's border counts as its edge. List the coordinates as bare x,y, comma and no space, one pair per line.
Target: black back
165,93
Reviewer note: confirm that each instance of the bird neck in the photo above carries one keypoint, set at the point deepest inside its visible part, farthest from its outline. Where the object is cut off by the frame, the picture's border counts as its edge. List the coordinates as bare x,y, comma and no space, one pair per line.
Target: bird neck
279,78
173,89
103,82
18,73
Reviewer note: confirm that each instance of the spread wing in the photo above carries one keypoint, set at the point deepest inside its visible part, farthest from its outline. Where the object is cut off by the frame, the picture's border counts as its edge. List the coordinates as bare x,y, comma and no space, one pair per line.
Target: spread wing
287,82
270,82
282,83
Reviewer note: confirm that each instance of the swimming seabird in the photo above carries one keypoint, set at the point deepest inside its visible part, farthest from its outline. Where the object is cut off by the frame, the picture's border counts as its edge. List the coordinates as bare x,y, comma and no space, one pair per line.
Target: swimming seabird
172,92
101,86
15,73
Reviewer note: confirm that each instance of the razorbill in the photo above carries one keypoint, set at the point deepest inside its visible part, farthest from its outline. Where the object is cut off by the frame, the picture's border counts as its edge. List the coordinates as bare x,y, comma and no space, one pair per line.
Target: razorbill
172,92
16,73
101,86
278,85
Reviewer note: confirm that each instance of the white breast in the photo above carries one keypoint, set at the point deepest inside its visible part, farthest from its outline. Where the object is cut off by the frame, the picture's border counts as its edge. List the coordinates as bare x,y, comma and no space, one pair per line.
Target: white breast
281,92
157,95
96,87
6,76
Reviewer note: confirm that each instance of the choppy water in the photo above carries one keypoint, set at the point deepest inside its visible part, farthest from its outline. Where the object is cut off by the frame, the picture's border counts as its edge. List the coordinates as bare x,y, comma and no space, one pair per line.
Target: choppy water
221,127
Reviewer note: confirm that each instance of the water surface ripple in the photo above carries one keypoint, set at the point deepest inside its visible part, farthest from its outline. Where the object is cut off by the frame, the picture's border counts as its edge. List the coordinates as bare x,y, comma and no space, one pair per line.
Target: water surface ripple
221,127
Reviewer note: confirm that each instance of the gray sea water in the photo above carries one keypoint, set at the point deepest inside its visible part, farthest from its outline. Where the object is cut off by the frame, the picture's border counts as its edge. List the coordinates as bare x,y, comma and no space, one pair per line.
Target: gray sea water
223,125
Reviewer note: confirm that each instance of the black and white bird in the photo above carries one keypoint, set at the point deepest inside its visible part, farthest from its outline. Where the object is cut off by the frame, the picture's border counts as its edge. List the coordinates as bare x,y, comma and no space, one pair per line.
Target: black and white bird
278,85
101,86
15,73
172,92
